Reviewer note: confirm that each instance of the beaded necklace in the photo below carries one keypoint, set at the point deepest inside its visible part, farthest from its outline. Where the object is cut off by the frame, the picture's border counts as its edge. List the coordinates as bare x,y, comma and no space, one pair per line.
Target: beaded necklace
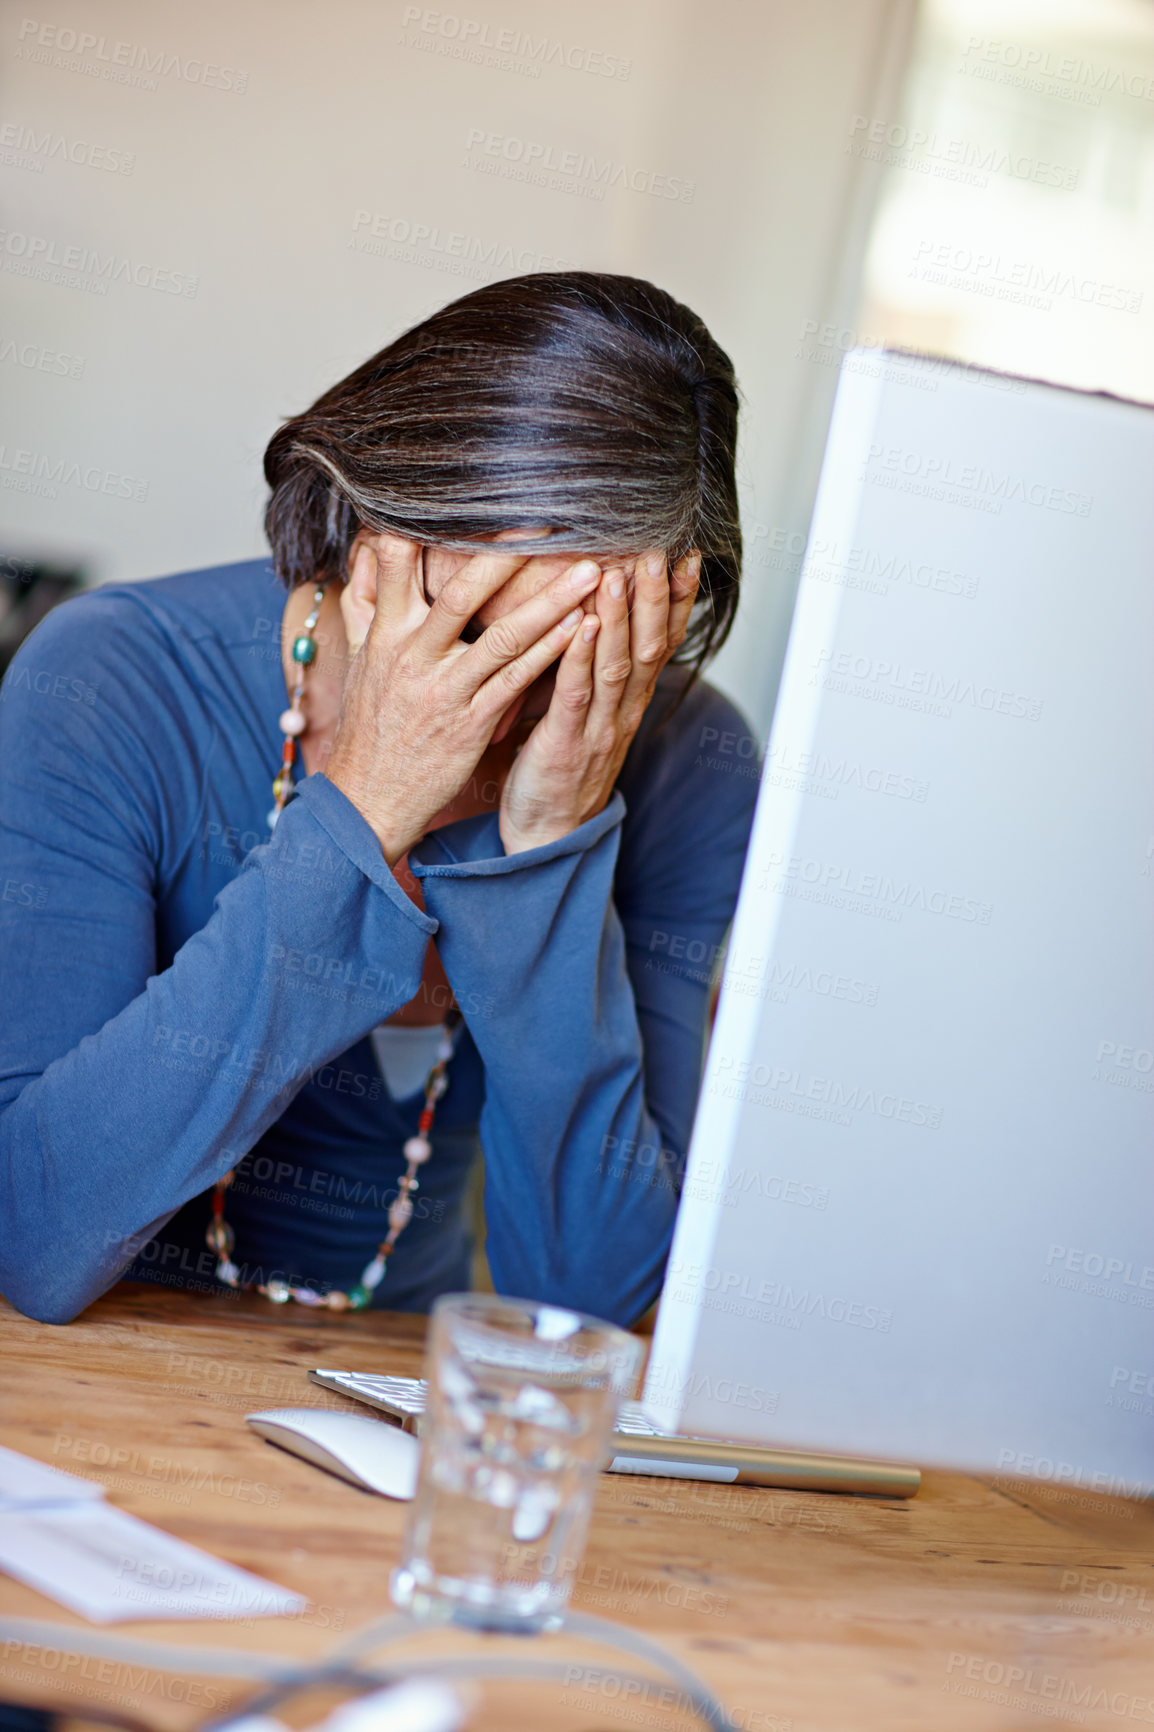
219,1235
292,721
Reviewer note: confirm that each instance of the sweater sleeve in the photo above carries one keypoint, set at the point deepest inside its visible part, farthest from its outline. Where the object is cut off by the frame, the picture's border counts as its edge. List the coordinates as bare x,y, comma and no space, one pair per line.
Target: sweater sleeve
592,1053
123,1091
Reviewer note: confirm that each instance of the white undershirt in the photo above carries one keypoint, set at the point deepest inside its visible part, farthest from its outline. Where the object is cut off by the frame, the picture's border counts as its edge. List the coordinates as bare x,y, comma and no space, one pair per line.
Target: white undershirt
406,1056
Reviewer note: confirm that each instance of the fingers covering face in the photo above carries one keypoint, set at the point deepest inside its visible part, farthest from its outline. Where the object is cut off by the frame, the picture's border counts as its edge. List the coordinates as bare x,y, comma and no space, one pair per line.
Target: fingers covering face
644,612
612,663
529,630
393,563
642,608
573,690
460,597
650,616
682,595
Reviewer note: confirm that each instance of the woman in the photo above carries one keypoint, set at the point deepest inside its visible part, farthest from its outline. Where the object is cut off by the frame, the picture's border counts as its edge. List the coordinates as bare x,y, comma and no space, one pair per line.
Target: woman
488,838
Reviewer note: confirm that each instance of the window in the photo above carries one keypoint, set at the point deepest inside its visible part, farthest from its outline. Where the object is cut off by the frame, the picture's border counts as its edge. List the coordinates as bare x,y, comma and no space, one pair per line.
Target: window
1015,227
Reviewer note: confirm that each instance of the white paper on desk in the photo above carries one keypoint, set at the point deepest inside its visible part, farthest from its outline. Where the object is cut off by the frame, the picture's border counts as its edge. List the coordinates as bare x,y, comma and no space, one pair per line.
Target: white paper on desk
26,1483
108,1566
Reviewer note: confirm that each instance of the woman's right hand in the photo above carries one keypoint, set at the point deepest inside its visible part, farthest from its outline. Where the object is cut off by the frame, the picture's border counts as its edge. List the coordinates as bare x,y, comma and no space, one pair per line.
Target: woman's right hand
419,706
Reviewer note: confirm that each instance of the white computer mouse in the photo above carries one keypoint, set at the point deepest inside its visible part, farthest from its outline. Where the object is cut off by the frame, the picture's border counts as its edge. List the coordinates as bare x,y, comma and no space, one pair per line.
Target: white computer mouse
367,1452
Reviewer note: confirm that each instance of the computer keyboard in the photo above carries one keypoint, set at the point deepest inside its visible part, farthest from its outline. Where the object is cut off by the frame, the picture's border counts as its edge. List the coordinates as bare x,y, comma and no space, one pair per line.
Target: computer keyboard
404,1397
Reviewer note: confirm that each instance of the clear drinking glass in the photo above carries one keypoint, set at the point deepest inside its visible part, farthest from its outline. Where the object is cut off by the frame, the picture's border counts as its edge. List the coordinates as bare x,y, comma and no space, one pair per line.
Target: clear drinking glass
522,1400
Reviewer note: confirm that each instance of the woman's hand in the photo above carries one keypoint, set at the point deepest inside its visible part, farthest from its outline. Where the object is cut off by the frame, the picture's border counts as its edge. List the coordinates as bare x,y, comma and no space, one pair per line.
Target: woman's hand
419,706
565,772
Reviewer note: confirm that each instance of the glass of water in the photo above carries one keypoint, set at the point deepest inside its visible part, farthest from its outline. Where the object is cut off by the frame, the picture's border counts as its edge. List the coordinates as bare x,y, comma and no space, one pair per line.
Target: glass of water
520,1407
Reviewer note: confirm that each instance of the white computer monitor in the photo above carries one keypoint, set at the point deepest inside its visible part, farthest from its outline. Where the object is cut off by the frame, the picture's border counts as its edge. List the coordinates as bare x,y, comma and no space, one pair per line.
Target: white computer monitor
918,1215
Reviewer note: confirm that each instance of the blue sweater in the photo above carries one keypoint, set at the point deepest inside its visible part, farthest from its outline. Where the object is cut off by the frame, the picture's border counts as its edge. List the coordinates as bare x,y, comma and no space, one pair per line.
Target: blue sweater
183,994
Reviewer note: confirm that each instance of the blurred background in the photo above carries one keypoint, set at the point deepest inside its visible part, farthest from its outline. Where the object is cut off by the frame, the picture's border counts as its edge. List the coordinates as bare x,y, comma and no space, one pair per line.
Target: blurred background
211,214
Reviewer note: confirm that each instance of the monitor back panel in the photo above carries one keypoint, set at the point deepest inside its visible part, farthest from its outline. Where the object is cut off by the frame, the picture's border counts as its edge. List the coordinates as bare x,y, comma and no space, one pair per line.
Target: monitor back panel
918,1217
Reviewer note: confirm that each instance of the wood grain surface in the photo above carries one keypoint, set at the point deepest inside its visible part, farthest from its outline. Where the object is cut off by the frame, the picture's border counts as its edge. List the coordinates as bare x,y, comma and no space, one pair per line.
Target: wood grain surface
975,1605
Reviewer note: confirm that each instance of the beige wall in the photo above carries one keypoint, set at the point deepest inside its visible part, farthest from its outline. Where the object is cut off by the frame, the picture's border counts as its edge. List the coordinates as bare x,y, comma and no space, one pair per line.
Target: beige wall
212,212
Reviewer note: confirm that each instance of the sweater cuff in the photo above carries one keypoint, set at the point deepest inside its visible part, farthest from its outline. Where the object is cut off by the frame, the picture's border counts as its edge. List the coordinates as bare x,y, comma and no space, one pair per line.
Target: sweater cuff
339,818
472,847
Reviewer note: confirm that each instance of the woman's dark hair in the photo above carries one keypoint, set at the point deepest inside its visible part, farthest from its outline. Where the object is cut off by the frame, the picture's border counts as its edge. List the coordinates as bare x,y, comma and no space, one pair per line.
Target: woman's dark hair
596,404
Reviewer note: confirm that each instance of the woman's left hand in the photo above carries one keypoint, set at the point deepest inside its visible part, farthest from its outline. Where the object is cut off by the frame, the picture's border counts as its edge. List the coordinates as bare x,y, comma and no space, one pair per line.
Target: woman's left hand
565,772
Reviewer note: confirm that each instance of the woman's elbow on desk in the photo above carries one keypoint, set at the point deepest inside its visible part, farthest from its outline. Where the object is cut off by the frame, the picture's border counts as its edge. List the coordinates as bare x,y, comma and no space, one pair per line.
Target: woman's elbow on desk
48,1280
34,1291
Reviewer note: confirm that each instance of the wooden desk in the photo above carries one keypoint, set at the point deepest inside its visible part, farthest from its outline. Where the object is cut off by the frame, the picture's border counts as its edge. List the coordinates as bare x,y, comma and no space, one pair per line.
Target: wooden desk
805,1612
